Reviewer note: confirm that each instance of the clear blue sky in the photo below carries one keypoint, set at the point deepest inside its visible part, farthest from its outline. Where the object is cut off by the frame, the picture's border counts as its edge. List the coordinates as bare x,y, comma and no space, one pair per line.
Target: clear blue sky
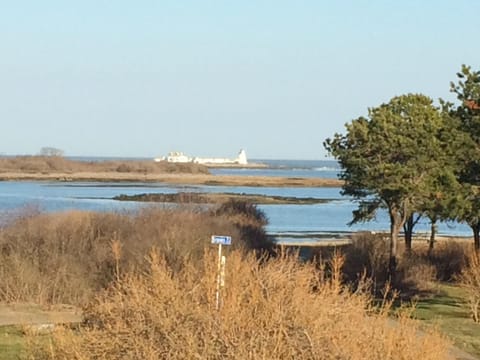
141,78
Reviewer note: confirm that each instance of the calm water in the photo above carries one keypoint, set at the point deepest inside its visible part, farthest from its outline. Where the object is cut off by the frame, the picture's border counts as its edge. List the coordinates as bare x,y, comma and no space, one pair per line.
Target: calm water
284,220
287,168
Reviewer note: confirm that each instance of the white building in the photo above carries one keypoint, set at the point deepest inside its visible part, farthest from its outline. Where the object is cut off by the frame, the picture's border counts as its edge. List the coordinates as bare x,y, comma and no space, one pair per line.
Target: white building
241,159
180,157
175,157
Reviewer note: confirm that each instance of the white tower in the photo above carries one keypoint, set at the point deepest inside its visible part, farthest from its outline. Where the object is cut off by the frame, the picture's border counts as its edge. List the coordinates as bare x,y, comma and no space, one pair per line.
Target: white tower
242,158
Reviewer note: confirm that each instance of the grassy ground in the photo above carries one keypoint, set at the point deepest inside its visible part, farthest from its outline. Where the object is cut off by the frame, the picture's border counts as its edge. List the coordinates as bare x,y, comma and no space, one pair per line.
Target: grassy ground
12,337
450,313
12,342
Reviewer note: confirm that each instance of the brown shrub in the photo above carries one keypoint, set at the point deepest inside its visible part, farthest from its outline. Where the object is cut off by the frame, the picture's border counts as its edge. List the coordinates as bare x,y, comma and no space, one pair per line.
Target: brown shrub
470,280
66,257
280,309
417,270
416,274
367,256
250,221
449,258
48,258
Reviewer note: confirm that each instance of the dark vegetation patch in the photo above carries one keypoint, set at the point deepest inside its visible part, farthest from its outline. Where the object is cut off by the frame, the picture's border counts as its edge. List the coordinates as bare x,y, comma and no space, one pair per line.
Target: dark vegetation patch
215,198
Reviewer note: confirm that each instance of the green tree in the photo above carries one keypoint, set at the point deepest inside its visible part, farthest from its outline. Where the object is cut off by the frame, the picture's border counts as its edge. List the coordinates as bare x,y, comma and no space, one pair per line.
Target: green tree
439,199
467,114
386,159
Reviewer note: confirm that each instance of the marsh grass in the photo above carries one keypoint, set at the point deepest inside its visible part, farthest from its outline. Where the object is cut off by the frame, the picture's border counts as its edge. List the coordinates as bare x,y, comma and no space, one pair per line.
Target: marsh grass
59,164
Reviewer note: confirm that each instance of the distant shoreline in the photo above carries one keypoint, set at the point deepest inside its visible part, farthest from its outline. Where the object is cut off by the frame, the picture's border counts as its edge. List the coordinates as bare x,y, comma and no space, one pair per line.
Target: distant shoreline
57,168
176,178
238,166
331,239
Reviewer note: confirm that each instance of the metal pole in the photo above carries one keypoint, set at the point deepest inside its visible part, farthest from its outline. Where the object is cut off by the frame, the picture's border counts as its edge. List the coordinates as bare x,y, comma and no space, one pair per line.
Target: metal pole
219,277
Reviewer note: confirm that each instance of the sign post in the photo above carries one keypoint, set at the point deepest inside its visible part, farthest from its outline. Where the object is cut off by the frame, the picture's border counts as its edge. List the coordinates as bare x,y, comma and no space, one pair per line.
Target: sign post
220,240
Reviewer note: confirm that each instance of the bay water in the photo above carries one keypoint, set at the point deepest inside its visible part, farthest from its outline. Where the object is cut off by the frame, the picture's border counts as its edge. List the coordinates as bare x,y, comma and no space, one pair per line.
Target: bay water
302,222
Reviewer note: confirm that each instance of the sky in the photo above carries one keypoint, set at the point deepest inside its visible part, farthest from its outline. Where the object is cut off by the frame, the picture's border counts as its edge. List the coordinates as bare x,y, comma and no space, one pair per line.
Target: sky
276,78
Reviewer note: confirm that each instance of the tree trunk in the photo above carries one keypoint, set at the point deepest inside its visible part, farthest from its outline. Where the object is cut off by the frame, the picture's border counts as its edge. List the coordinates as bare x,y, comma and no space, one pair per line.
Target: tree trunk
476,237
408,233
408,226
433,232
395,226
392,263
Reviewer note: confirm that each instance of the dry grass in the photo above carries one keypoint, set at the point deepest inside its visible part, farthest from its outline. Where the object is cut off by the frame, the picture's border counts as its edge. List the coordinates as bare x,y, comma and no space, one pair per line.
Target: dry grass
163,305
470,280
449,257
418,271
67,257
58,164
280,309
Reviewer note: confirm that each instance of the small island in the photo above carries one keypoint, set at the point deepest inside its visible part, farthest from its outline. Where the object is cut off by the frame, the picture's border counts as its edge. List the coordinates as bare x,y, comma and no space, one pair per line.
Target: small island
218,198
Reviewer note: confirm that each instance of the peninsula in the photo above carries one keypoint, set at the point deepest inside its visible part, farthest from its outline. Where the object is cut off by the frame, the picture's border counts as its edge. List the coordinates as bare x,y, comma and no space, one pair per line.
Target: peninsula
56,168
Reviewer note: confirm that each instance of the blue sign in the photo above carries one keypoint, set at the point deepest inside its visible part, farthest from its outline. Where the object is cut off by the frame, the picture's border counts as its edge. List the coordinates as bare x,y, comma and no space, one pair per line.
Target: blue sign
220,239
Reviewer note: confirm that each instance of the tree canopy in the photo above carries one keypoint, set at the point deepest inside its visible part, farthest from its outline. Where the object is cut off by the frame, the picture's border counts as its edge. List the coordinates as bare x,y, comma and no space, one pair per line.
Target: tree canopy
467,115
388,158
414,159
